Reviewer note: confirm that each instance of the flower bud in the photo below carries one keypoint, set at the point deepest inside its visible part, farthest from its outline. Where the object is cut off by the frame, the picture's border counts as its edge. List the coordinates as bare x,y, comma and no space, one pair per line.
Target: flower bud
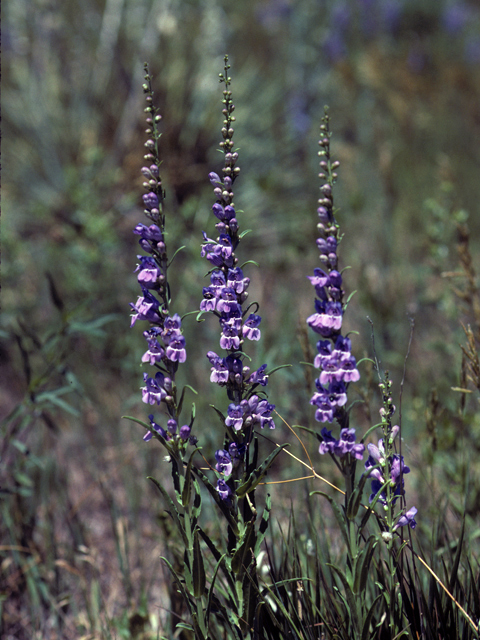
185,432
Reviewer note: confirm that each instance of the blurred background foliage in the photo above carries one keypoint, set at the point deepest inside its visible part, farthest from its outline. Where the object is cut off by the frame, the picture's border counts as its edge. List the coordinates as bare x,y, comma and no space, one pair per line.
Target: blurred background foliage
402,80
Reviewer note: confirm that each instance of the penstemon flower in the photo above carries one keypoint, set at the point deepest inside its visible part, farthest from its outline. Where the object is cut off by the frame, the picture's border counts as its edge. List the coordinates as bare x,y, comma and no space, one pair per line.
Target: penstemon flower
387,468
225,297
337,365
165,341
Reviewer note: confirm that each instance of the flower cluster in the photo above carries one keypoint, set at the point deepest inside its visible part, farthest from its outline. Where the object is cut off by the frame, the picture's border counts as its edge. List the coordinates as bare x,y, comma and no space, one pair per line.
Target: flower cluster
334,358
165,341
225,297
387,471
345,445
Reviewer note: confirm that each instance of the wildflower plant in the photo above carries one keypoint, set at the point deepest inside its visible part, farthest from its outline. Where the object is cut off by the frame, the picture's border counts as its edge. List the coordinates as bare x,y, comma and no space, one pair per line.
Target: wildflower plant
232,480
218,576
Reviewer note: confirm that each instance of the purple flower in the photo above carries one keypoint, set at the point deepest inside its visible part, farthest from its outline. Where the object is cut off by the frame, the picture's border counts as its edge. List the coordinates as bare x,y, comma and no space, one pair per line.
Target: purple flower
215,179
259,377
348,369
224,491
257,411
235,416
154,391
407,518
149,272
209,301
327,319
225,214
150,200
152,232
185,432
319,279
250,328
325,410
224,462
337,394
397,470
172,426
227,302
218,282
176,351
156,427
155,351
218,253
146,308
229,339
219,370
345,445
237,281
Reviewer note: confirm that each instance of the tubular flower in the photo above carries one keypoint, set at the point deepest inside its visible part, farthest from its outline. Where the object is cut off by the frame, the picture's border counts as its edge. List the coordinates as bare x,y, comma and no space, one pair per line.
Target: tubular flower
165,341
337,365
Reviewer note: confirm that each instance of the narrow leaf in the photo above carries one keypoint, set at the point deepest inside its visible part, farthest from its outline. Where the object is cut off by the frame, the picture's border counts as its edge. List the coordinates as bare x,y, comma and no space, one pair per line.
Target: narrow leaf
173,510
258,474
198,570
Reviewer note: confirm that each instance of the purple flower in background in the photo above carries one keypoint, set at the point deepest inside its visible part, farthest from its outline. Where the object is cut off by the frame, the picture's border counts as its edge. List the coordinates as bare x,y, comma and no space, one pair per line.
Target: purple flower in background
456,17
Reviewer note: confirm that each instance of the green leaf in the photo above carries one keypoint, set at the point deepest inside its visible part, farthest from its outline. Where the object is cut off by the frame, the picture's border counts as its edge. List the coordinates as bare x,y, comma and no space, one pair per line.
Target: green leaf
211,588
173,510
362,565
220,503
366,624
262,529
197,501
198,570
187,484
258,474
188,601
340,516
356,498
244,549
54,398
92,327
352,601
173,257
